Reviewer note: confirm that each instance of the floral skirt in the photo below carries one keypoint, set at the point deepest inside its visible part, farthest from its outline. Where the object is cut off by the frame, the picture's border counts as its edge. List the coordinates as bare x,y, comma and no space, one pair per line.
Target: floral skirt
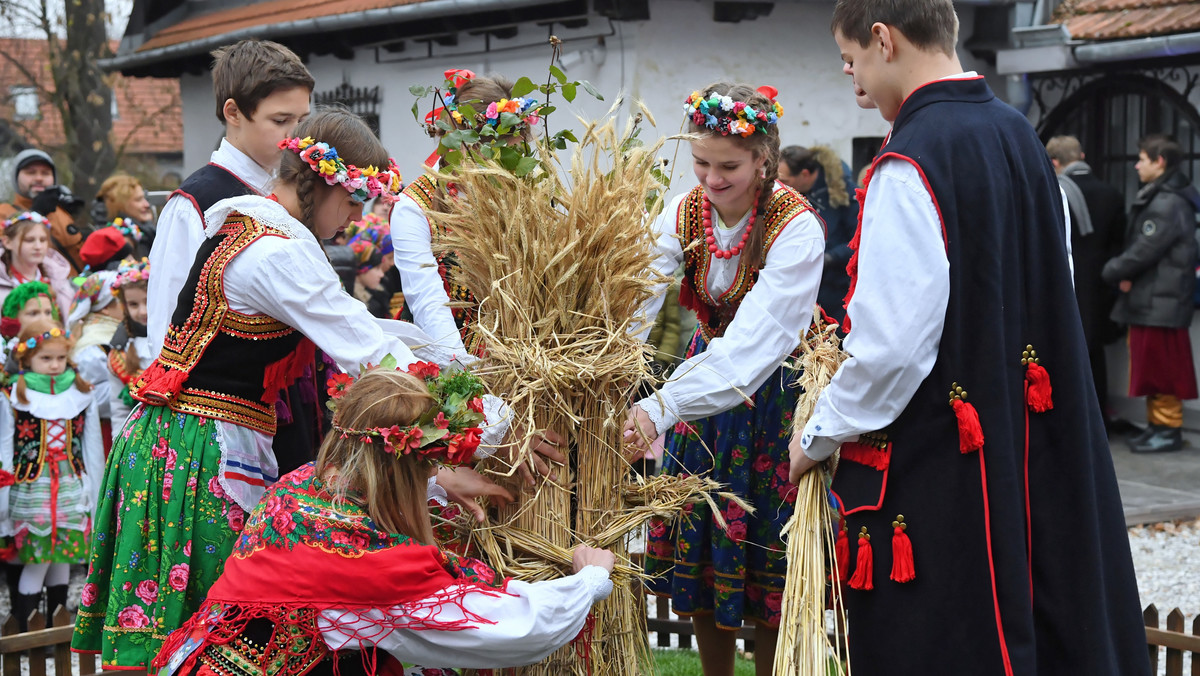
163,531
737,572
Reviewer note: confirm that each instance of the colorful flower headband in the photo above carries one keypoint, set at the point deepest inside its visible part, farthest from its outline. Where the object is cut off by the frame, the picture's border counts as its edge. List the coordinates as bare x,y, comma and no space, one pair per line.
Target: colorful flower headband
129,273
723,114
363,184
127,228
34,341
447,434
526,109
25,216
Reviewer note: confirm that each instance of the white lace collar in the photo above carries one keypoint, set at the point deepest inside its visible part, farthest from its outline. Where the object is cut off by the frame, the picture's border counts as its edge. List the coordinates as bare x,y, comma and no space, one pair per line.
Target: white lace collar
266,211
61,406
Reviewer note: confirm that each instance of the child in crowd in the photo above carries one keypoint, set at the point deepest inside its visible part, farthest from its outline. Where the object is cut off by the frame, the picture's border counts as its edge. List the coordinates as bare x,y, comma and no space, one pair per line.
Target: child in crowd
105,248
337,565
50,443
29,256
25,303
95,316
368,281
752,251
129,352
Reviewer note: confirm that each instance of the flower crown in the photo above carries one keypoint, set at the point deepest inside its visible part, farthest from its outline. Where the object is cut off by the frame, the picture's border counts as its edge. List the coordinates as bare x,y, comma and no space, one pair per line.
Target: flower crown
526,109
726,116
34,341
25,216
127,227
447,434
363,184
129,273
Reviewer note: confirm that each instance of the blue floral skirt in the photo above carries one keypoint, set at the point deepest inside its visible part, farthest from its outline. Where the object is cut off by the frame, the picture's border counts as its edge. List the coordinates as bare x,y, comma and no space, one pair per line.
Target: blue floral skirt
736,572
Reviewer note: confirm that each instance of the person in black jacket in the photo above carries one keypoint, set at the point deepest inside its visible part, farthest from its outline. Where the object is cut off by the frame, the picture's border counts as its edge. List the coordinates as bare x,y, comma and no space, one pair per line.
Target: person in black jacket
1156,277
1097,235
821,176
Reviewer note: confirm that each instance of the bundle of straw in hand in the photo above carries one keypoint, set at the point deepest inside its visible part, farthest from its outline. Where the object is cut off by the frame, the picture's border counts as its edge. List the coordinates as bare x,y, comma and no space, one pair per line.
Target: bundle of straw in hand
804,647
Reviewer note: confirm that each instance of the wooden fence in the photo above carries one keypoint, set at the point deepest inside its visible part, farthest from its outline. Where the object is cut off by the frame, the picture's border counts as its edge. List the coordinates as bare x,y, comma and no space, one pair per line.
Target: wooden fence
40,645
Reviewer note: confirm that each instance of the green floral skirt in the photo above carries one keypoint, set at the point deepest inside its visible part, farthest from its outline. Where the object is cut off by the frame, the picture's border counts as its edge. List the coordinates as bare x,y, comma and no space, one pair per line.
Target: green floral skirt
162,533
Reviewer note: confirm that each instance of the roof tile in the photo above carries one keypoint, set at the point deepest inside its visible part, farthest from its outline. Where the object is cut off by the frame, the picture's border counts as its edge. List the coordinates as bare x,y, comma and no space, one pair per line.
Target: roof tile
1123,19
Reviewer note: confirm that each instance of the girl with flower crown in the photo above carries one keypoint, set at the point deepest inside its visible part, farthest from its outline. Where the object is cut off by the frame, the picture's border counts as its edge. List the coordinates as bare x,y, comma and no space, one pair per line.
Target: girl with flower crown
752,251
337,570
196,453
51,462
29,256
129,352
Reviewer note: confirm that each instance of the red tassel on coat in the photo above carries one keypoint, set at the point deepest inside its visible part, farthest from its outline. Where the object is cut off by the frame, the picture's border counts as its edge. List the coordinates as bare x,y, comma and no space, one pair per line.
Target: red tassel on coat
865,570
902,554
1037,395
841,552
970,434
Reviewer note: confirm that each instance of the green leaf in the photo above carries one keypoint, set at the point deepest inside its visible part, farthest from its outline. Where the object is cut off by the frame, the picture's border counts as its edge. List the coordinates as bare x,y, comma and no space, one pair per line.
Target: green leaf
416,115
587,86
418,91
431,433
452,157
558,74
388,362
509,120
467,111
546,110
560,143
568,91
525,165
566,134
523,87
443,125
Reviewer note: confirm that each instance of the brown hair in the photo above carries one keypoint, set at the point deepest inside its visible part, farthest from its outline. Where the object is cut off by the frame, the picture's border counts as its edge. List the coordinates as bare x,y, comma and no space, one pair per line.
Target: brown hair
930,25
392,488
35,329
15,234
1065,149
764,146
131,358
1161,145
479,92
252,70
822,158
116,191
355,143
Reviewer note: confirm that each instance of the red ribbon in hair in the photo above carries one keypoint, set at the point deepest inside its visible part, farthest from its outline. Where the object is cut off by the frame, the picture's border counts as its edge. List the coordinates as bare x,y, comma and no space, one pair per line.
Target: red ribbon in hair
769,92
459,76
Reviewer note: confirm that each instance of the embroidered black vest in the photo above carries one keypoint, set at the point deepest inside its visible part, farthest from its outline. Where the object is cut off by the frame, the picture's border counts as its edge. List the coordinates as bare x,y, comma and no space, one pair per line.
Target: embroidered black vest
216,362
210,184
715,314
30,445
464,307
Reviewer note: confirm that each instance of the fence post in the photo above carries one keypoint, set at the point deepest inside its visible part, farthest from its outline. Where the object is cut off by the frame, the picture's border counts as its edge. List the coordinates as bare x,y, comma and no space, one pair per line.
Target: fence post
62,651
1196,655
11,663
1150,617
37,662
1175,655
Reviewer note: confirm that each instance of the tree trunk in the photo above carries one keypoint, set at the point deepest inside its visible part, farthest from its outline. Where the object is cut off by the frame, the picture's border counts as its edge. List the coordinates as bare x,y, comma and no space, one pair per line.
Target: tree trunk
85,96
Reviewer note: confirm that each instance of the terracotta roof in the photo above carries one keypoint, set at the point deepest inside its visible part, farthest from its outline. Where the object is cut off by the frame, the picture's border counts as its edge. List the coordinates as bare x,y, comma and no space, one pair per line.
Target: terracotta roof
271,11
1122,19
149,118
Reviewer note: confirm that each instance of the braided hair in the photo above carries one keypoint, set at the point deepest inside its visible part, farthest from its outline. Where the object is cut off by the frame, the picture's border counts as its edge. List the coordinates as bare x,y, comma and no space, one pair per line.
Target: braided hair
355,142
764,146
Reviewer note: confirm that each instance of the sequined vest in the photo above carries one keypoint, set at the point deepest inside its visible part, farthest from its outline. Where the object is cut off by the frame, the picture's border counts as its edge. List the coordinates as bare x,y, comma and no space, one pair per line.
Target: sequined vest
715,314
423,191
217,362
31,445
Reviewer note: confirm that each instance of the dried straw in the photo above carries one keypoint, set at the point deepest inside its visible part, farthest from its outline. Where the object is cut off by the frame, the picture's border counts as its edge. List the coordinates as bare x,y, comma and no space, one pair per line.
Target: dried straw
561,263
804,648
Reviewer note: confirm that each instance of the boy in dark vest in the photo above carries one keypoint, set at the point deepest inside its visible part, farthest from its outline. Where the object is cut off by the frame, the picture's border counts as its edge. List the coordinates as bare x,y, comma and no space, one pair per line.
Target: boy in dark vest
262,92
986,533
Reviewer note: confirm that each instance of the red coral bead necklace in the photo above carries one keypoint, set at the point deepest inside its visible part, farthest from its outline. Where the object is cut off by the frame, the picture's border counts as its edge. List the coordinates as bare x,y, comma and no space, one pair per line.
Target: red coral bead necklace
711,239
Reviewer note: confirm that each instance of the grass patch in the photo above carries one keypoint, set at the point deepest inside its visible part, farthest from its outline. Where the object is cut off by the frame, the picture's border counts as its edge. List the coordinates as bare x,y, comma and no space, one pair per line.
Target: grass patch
687,663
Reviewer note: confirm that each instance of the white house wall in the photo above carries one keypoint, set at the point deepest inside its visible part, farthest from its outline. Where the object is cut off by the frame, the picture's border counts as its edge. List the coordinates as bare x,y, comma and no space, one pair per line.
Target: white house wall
659,61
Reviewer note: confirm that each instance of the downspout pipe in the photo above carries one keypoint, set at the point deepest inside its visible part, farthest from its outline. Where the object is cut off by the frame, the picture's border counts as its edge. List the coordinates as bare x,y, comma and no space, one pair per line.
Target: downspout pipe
314,26
1143,48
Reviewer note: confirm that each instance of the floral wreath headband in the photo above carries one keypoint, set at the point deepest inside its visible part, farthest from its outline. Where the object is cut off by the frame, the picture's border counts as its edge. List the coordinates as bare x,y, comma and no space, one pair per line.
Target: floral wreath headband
34,341
129,273
726,116
364,184
25,216
447,434
127,227
526,109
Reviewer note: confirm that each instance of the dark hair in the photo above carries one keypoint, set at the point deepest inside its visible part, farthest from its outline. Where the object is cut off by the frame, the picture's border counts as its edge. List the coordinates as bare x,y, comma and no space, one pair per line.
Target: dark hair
131,359
928,24
765,146
819,158
798,159
355,143
252,70
1161,145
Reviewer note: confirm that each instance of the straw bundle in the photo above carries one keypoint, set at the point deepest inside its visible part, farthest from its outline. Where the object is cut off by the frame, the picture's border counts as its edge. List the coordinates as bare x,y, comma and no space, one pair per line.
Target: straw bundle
562,270
804,648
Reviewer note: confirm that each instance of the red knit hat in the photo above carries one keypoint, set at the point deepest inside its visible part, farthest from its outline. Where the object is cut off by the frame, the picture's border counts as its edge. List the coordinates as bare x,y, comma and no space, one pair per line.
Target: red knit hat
103,246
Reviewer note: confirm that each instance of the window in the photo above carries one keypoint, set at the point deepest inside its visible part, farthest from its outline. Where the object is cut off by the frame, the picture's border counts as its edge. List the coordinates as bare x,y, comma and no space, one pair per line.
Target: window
114,109
362,101
25,102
